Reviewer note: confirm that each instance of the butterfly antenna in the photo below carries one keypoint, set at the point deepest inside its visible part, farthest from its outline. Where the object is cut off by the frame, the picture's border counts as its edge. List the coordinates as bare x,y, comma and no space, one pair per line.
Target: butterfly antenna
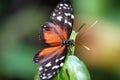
91,26
80,27
86,47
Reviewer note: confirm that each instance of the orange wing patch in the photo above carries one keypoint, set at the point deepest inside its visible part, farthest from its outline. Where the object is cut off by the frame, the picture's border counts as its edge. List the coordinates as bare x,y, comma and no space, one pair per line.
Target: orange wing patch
63,32
49,53
51,37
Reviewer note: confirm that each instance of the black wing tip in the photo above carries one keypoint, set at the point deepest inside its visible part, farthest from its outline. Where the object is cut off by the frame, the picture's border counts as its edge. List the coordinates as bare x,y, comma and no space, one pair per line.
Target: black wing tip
66,1
41,35
35,58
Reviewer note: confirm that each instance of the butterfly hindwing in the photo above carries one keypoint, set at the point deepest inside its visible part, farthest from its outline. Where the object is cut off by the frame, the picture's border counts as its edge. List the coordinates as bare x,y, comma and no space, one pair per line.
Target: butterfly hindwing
63,15
51,60
48,53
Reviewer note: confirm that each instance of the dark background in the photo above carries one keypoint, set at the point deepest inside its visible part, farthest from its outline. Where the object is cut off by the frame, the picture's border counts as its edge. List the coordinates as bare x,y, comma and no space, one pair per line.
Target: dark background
20,22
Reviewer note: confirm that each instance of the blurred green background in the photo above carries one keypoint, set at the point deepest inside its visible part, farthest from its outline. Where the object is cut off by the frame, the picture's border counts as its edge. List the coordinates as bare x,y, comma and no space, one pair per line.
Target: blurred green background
20,22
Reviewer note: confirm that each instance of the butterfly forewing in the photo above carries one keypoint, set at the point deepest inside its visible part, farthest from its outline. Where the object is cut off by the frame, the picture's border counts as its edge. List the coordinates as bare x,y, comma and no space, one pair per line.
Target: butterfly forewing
52,34
49,36
63,15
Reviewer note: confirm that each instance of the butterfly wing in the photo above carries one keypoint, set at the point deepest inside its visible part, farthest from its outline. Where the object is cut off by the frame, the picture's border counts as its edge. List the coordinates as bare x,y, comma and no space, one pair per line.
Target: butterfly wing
51,60
63,16
60,27
49,36
52,34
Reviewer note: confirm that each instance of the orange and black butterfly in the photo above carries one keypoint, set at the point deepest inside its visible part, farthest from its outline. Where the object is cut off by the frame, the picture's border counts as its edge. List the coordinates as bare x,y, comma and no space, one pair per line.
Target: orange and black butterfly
55,35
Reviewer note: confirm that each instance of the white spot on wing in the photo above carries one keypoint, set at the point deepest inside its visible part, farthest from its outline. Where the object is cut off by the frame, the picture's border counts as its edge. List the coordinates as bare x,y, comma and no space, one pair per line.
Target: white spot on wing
37,60
45,70
45,26
66,5
65,21
56,60
59,12
61,64
67,14
43,29
59,7
56,10
61,4
59,18
70,23
62,57
43,74
44,77
55,67
49,76
54,14
72,16
48,64
53,72
40,68
40,75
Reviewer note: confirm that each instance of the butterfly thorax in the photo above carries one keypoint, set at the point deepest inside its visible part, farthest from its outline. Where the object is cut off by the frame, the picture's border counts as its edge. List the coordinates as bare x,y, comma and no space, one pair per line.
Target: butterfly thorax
68,43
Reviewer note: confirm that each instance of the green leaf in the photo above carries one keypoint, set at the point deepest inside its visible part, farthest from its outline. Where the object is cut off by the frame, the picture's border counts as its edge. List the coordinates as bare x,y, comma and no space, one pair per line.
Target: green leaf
37,75
73,69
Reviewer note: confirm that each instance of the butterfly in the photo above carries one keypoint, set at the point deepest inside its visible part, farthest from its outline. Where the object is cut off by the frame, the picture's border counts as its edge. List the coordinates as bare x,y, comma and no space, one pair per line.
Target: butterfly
55,34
